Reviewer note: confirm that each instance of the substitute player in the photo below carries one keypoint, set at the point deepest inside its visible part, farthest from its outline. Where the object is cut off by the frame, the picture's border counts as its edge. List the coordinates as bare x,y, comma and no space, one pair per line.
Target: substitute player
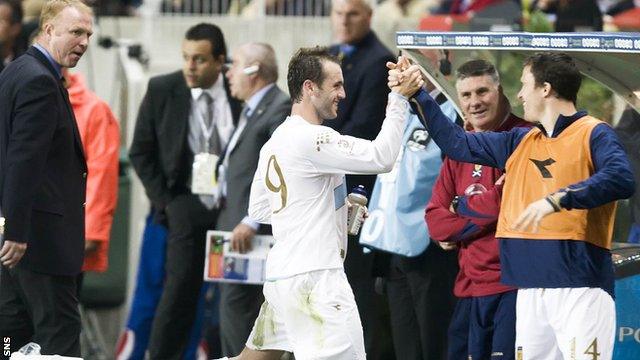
557,209
299,189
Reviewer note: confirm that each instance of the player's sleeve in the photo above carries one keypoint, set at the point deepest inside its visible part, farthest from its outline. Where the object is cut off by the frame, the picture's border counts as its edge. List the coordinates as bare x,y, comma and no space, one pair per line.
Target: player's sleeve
486,148
330,152
613,177
444,225
482,209
259,205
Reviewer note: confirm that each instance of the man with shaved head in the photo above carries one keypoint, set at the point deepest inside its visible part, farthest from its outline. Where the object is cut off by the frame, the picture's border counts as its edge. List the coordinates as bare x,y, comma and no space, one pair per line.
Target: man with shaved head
363,59
252,79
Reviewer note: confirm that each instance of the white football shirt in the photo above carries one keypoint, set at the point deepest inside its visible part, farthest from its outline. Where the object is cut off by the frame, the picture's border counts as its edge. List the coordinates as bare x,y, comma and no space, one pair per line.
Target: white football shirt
299,188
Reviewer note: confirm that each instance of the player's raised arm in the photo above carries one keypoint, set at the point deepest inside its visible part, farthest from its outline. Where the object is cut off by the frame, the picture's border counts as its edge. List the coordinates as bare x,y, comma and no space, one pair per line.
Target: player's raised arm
490,148
331,152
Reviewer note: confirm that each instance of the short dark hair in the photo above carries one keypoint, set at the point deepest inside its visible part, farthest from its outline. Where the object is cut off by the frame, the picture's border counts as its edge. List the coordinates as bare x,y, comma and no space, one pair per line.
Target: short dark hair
306,64
16,10
557,69
477,67
210,32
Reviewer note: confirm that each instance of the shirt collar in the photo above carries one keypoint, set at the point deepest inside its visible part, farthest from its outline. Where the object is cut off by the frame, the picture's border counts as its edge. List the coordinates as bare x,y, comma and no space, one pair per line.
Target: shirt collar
502,126
255,99
46,54
563,122
347,50
216,90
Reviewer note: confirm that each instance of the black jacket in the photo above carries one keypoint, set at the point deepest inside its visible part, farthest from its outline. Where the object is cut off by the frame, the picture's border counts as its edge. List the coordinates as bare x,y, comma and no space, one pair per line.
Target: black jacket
361,113
159,151
43,169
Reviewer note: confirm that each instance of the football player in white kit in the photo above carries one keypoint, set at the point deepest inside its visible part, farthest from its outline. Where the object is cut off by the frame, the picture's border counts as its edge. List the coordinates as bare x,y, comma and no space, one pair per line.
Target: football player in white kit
299,189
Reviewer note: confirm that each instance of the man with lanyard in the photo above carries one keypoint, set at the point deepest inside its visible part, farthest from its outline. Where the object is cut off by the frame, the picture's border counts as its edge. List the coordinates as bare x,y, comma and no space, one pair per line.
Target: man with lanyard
185,120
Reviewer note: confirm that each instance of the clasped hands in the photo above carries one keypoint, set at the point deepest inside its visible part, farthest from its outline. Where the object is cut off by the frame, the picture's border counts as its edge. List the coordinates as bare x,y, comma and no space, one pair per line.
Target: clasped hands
404,78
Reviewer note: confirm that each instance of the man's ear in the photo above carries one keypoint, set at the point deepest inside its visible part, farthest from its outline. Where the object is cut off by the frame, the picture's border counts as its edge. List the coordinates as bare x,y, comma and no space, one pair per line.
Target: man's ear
547,90
47,29
309,86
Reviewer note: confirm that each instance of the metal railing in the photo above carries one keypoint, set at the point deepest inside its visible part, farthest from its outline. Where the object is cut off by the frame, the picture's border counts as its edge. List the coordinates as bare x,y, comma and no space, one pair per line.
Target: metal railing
246,8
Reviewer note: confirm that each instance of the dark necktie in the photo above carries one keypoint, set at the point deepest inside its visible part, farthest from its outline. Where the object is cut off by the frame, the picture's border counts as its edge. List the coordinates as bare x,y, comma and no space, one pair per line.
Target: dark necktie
208,115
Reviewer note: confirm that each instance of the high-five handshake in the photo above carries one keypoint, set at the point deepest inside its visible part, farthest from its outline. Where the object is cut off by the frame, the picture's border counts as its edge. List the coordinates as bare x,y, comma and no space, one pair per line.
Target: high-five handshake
404,78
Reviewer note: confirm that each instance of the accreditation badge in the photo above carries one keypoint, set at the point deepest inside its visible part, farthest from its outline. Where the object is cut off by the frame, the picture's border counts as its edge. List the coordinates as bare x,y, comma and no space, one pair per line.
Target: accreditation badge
203,176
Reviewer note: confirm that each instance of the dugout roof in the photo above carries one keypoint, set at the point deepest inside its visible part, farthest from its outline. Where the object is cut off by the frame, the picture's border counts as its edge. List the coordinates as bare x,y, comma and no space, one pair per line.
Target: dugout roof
613,59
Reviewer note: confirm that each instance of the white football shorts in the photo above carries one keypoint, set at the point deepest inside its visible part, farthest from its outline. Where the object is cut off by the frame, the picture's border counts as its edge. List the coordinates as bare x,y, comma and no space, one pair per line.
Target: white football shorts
313,315
565,323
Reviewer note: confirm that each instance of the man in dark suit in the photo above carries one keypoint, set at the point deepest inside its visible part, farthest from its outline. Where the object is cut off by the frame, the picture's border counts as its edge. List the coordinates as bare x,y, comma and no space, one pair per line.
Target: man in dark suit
10,27
43,181
252,79
185,120
360,114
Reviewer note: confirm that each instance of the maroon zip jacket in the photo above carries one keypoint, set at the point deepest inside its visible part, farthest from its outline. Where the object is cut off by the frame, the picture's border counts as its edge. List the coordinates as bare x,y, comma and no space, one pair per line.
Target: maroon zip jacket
473,225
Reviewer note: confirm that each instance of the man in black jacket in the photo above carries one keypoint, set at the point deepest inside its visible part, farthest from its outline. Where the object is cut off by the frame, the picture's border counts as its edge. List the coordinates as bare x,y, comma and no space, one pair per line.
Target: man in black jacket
43,181
185,121
360,114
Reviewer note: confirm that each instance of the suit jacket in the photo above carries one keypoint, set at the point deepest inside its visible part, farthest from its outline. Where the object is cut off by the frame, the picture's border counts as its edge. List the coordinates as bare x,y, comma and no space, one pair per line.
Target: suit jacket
43,176
274,107
160,152
361,113
18,50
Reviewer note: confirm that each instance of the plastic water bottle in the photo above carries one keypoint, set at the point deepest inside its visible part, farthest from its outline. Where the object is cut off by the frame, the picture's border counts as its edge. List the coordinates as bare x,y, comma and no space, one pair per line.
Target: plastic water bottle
355,215
30,349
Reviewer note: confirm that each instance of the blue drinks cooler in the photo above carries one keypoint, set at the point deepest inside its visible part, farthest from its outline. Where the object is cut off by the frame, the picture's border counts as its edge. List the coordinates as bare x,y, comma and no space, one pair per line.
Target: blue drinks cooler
626,259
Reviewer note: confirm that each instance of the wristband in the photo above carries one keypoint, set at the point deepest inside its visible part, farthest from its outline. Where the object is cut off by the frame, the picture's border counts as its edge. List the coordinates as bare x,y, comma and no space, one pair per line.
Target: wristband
556,207
455,202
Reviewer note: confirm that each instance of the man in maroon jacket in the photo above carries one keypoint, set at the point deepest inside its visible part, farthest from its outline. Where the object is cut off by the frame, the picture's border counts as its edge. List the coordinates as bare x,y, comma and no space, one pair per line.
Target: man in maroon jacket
463,213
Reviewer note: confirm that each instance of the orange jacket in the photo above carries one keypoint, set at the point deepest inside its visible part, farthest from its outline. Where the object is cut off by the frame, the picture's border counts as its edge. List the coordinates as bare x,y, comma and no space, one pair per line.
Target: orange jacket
100,136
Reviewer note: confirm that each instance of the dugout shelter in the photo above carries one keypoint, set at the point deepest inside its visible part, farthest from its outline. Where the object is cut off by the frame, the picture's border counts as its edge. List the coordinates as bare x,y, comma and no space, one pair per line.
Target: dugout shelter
611,59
